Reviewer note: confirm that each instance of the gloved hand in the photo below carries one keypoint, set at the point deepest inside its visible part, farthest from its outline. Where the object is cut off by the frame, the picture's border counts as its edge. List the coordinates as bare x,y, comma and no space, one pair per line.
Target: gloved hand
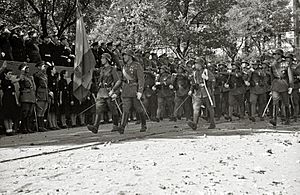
190,93
51,93
2,54
171,86
226,85
157,83
290,90
153,88
201,85
72,103
204,76
111,93
139,95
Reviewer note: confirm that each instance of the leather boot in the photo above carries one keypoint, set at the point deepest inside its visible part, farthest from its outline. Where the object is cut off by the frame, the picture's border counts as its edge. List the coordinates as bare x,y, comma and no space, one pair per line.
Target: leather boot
124,121
273,121
115,119
143,122
287,115
41,124
94,128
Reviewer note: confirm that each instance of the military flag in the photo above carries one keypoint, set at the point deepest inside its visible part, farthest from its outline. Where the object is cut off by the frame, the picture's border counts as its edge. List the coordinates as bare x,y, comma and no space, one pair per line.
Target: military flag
84,61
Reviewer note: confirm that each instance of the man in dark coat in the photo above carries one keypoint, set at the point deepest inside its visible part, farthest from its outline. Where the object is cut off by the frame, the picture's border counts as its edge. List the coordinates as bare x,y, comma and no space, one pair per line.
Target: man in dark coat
47,49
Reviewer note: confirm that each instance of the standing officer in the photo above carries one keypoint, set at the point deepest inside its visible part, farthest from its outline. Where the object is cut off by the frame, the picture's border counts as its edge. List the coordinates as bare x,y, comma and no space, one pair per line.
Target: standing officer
282,85
165,94
42,94
203,82
132,90
106,94
27,98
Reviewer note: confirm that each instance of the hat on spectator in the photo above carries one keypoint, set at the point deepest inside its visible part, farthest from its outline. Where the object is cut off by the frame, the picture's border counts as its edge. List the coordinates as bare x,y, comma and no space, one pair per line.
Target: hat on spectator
41,63
23,66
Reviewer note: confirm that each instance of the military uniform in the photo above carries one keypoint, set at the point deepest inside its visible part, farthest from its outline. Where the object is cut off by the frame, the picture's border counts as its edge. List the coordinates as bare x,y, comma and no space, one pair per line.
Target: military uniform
258,88
201,90
182,87
108,77
133,81
149,96
47,51
236,93
165,94
282,82
42,96
27,100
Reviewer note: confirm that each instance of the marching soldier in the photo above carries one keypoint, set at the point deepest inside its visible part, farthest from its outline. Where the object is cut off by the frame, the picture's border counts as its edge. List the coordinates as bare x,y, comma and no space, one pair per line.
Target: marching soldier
149,96
165,94
106,94
42,94
236,92
203,82
258,88
27,98
182,87
282,85
132,90
296,90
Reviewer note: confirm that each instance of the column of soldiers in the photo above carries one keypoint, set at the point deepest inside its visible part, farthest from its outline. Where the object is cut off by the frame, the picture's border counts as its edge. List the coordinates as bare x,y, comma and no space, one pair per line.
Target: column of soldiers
129,85
199,89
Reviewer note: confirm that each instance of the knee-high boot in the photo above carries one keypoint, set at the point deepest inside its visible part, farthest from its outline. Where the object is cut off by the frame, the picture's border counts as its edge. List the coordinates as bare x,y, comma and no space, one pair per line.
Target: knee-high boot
287,115
143,122
41,124
115,119
273,121
94,128
124,121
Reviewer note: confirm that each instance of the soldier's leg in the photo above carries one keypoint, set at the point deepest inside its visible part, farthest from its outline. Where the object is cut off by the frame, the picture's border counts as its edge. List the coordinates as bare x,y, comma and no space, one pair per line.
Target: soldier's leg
170,105
241,105
225,103
295,101
188,108
232,102
41,107
196,111
275,97
127,105
211,113
177,102
115,113
218,108
285,102
100,108
253,102
160,105
140,110
261,105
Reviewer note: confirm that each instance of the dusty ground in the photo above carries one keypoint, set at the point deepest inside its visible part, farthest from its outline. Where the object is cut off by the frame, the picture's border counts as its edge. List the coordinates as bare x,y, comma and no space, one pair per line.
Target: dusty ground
168,159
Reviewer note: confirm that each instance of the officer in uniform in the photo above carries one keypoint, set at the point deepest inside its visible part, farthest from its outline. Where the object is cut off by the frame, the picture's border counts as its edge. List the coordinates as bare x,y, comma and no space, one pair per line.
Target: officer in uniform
42,94
149,96
165,94
132,90
282,85
27,98
296,90
258,88
182,87
107,93
201,90
237,91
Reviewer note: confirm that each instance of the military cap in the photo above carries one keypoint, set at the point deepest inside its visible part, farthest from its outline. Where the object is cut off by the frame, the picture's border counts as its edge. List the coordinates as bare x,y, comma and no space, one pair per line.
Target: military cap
278,51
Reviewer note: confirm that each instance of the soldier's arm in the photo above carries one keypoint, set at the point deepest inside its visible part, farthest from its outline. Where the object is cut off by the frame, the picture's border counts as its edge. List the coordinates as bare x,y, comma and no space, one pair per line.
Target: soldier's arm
117,80
290,77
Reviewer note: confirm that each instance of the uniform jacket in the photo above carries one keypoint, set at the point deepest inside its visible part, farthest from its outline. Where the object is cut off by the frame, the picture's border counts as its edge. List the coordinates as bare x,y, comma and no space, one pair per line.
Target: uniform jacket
47,51
236,83
149,83
133,79
106,81
296,75
198,83
181,84
281,76
41,82
257,81
27,89
165,80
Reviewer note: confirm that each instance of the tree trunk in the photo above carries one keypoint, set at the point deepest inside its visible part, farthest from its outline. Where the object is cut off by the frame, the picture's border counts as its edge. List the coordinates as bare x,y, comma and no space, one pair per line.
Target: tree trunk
44,21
